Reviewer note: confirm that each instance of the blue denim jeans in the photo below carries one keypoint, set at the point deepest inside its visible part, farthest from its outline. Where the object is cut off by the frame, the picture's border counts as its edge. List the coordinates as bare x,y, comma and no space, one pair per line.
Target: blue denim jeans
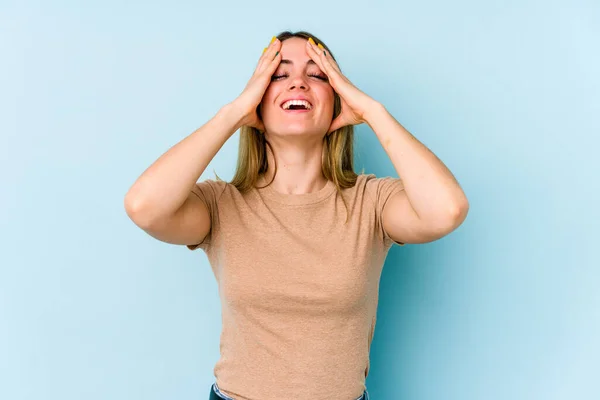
216,394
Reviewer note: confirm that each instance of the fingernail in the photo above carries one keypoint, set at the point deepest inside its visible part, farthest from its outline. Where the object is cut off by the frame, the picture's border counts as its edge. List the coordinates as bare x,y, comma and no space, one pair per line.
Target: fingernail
320,46
273,39
311,41
265,49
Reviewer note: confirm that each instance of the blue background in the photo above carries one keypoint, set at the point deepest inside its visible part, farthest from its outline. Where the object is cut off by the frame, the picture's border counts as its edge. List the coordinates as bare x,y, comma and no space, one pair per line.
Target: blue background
507,94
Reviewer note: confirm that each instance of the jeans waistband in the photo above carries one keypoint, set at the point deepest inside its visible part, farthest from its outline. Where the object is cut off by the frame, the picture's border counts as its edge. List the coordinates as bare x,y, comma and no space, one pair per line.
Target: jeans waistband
216,394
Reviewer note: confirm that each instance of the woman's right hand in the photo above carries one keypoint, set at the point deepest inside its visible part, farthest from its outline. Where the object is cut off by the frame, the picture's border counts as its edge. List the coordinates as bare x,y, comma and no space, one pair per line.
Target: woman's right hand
248,101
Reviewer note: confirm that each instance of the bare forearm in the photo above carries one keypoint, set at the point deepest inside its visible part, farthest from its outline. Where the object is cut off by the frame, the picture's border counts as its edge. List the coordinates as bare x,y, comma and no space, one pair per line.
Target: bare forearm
165,185
432,190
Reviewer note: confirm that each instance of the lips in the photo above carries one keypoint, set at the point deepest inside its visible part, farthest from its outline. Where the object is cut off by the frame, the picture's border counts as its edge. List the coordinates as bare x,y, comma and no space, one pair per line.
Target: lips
296,98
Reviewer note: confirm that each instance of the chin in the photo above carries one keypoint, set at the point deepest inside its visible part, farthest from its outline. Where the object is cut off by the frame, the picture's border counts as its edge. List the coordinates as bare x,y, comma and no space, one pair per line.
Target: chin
296,128
291,131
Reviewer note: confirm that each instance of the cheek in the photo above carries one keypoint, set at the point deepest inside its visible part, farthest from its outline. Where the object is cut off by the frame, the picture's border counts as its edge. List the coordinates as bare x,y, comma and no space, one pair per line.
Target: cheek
327,93
329,99
266,102
270,95
267,95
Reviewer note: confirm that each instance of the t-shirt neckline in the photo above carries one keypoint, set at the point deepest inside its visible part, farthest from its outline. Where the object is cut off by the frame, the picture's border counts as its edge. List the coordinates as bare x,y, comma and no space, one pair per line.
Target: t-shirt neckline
270,193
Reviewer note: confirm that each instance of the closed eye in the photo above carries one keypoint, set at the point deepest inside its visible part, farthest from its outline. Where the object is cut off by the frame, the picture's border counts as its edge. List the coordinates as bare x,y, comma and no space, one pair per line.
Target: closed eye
320,77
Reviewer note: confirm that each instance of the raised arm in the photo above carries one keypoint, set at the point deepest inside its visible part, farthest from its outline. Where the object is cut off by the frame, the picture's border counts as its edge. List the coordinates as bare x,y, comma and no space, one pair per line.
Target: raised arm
161,201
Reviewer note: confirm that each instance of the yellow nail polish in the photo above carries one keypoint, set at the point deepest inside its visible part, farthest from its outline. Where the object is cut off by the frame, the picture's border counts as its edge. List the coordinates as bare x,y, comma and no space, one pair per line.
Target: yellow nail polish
265,49
311,41
273,39
321,46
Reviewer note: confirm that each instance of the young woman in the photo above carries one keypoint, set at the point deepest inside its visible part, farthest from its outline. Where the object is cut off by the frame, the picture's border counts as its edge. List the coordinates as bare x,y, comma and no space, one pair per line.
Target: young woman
297,240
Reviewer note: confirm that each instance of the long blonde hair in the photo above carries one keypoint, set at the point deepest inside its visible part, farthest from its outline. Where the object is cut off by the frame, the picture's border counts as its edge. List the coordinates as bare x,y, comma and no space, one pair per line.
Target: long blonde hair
338,156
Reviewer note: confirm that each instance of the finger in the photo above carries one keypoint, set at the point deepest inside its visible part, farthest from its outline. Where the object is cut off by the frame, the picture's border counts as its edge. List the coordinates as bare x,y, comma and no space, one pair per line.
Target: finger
269,67
266,49
331,61
312,49
269,53
328,62
261,79
327,57
325,61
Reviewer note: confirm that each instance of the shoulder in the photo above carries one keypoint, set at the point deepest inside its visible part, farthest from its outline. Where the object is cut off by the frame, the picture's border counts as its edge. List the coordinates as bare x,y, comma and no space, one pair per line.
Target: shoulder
212,183
374,186
212,189
363,181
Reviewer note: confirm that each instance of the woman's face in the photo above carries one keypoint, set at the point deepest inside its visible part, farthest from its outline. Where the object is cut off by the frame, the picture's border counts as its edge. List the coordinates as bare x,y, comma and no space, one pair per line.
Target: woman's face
297,76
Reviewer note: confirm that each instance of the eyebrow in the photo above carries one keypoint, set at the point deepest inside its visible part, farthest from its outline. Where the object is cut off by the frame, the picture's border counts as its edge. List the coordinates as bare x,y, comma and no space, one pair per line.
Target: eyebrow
285,61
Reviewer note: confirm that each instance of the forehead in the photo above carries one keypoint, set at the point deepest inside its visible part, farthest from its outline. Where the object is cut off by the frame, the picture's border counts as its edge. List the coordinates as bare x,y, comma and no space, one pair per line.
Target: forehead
294,48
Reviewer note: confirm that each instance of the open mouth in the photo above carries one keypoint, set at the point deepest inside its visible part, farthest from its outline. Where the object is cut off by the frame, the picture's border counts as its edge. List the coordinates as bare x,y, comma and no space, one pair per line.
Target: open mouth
296,106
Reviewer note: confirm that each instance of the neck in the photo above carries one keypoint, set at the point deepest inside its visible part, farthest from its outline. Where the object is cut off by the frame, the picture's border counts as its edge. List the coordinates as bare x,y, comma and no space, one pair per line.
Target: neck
299,168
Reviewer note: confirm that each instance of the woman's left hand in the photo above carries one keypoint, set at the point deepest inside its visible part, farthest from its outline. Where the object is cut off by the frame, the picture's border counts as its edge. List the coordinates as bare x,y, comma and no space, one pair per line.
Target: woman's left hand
354,102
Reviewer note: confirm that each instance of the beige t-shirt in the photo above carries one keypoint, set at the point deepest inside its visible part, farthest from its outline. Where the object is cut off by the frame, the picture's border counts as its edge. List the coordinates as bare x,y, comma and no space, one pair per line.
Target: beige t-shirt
298,287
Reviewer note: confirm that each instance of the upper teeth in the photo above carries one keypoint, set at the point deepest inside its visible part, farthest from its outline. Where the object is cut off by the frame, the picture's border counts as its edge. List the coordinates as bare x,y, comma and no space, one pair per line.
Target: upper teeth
289,103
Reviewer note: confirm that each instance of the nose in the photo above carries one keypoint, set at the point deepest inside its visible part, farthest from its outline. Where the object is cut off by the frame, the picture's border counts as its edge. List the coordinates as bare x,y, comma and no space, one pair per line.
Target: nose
298,82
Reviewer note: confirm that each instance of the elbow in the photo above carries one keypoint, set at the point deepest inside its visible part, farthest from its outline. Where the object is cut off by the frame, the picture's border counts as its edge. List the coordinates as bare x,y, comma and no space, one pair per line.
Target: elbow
136,211
458,212
132,203
445,222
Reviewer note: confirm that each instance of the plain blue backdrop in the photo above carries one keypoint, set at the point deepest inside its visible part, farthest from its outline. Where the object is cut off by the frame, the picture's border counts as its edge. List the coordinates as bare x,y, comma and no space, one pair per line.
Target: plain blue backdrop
507,94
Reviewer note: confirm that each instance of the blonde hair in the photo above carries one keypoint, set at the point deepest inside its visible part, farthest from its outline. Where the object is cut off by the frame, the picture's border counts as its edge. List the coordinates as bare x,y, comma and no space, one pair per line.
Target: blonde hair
338,146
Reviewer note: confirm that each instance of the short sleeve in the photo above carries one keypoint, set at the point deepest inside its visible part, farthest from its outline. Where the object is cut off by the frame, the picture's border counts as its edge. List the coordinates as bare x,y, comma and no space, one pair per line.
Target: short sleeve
209,191
381,190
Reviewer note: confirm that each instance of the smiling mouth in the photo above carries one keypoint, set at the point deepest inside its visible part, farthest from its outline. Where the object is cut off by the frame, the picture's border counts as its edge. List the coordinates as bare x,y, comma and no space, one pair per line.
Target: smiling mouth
296,106
295,111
